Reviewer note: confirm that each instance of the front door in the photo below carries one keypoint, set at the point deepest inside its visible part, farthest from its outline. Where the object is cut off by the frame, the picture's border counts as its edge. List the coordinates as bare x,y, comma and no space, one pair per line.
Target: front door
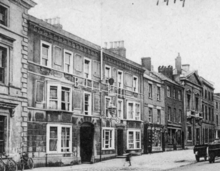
120,142
86,142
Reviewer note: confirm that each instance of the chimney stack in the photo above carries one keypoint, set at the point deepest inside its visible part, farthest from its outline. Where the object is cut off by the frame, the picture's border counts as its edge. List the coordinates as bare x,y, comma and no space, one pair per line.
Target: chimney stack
146,62
54,22
118,48
178,64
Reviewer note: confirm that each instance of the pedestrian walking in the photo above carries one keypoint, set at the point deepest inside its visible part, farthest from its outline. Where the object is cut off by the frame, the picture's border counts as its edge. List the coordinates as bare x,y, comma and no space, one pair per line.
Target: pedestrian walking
128,159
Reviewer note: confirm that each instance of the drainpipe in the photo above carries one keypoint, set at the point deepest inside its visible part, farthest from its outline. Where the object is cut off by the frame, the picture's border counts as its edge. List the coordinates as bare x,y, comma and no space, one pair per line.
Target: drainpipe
101,64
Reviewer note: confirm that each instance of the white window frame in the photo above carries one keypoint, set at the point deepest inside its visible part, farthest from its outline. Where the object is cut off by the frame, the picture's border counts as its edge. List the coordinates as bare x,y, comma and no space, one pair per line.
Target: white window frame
134,111
71,61
122,106
134,137
59,138
49,53
122,79
90,103
59,95
107,114
135,86
112,130
110,73
158,94
90,67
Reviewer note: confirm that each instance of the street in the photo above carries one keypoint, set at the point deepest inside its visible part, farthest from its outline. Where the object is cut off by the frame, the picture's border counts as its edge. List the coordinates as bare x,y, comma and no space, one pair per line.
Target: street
201,166
152,162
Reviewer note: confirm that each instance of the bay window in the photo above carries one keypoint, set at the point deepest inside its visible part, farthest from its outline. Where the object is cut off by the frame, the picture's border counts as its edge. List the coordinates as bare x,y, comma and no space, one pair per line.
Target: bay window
133,111
108,138
133,139
59,138
59,97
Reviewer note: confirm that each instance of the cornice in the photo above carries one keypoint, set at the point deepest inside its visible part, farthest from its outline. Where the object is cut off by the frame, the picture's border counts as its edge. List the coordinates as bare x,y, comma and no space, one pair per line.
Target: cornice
123,64
45,32
25,3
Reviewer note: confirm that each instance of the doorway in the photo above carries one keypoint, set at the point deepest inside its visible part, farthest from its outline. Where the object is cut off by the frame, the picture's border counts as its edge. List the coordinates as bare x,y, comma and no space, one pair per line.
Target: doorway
120,142
86,142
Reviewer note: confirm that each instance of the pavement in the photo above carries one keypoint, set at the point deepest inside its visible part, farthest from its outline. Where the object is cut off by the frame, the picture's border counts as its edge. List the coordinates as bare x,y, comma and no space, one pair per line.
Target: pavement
151,162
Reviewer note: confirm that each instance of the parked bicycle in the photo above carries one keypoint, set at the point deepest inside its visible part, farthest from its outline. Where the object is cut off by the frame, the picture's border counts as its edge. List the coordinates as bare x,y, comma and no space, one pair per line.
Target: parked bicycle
7,163
25,162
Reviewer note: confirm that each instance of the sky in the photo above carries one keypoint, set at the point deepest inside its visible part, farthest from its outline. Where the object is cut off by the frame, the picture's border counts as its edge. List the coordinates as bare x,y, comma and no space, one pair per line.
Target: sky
148,30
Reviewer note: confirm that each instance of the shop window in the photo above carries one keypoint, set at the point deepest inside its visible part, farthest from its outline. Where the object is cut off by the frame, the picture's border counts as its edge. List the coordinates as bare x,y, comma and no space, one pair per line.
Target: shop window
59,138
108,138
3,15
133,139
45,54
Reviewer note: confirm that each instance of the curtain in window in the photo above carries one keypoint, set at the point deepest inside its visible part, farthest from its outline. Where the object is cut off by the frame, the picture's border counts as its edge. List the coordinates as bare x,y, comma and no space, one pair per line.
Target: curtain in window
53,139
65,139
53,97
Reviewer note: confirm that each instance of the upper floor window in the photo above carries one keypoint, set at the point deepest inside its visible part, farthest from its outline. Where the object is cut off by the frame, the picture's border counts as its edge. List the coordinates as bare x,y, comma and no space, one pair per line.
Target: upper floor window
120,79
68,61
180,115
107,103
158,116
133,111
179,95
135,84
174,115
205,94
150,115
87,68
59,97
188,101
197,102
107,73
87,103
3,64
57,58
3,15
158,93
120,109
168,92
169,113
150,91
216,119
45,54
216,104
174,93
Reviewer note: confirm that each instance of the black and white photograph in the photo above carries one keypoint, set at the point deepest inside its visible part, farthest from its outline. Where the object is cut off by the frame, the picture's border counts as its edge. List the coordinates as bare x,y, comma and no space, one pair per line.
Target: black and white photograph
109,85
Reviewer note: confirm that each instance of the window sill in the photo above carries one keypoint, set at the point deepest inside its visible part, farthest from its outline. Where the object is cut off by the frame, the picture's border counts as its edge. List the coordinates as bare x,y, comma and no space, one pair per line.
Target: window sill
108,148
58,153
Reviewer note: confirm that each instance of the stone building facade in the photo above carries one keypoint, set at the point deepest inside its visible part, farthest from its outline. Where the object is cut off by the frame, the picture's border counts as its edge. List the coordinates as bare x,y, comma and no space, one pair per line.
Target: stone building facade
13,75
70,95
217,115
154,110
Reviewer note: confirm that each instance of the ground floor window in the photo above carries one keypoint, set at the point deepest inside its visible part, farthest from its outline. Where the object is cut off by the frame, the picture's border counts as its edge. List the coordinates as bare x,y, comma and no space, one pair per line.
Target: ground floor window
189,133
133,139
3,131
108,137
59,138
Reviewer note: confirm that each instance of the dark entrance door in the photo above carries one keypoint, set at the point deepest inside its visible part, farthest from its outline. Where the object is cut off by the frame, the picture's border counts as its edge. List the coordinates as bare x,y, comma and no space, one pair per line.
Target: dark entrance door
120,142
86,142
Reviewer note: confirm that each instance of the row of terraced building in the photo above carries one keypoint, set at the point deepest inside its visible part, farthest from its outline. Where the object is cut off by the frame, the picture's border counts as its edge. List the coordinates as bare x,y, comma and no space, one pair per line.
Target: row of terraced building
65,100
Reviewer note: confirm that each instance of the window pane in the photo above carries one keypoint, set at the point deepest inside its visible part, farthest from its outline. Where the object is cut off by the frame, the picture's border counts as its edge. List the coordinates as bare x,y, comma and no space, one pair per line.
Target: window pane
53,139
53,92
67,58
45,51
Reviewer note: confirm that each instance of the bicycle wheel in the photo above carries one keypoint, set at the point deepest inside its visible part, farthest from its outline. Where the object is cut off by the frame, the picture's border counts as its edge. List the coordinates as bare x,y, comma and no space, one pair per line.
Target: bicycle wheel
2,166
11,165
30,163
